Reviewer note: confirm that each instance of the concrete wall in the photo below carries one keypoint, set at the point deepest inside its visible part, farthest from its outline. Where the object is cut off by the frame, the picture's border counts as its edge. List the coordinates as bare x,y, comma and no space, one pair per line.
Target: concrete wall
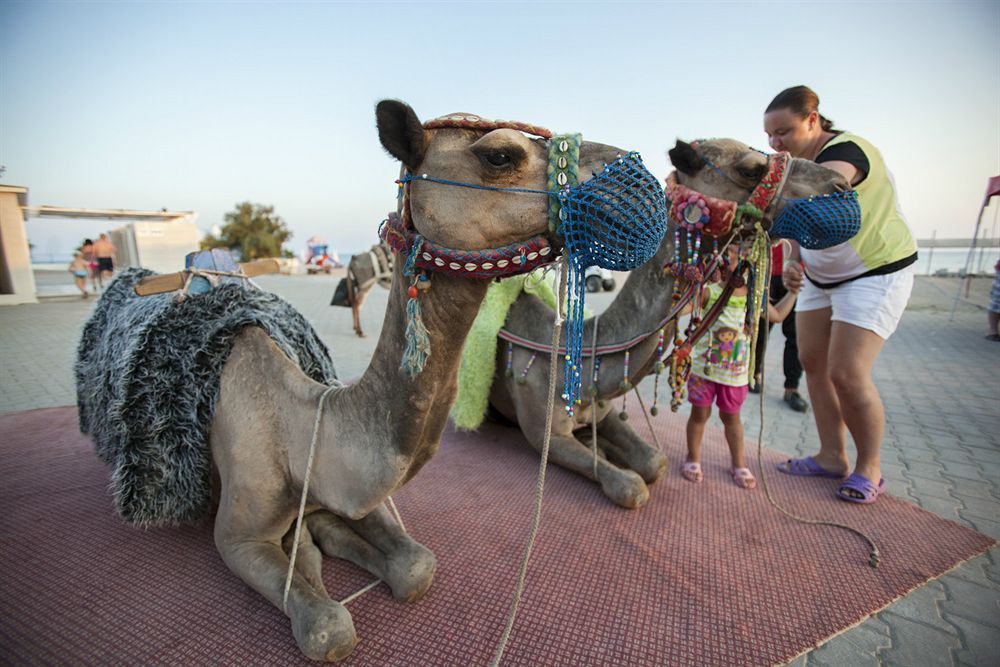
17,282
158,246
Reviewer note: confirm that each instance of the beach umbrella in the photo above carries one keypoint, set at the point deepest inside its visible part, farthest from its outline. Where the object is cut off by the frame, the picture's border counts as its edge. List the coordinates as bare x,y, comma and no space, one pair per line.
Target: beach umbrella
992,190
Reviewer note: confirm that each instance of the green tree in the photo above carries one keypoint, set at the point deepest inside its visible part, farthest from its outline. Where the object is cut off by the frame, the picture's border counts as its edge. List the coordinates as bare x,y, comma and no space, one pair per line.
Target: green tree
252,230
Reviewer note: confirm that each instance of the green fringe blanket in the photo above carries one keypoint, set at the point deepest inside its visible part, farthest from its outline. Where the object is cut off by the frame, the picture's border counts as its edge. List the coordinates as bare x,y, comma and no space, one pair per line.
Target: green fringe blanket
475,376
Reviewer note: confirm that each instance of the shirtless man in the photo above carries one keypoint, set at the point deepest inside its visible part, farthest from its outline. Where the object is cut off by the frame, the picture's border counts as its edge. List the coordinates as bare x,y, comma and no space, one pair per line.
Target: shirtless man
105,253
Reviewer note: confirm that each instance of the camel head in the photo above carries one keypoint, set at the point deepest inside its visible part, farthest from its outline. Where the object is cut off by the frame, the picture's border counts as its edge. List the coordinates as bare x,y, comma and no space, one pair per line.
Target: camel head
726,169
466,149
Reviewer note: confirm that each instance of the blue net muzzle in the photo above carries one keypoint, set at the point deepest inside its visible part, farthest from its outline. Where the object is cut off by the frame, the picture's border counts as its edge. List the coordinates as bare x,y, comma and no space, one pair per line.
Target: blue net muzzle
615,220
821,221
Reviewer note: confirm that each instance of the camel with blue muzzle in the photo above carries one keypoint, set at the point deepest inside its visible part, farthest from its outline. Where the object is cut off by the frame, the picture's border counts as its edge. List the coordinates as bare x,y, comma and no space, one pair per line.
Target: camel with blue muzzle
302,465
722,191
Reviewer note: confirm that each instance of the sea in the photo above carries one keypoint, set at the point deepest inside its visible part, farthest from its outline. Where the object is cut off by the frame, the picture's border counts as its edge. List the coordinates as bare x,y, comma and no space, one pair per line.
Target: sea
941,261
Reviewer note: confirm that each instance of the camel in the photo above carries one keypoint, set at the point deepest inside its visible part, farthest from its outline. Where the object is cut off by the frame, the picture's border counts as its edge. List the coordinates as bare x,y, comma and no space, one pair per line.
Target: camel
626,463
363,271
377,433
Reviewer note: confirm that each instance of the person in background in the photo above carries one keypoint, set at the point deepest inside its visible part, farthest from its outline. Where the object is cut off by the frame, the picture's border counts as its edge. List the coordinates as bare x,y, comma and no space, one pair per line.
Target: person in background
720,374
790,359
87,249
853,295
105,253
993,308
80,269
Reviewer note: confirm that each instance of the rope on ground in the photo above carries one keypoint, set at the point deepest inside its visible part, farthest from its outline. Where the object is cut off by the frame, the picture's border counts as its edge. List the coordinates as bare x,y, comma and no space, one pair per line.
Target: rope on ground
873,552
540,487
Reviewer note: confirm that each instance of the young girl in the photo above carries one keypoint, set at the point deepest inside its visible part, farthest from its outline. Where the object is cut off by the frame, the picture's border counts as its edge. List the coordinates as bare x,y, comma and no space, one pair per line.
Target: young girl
719,372
80,270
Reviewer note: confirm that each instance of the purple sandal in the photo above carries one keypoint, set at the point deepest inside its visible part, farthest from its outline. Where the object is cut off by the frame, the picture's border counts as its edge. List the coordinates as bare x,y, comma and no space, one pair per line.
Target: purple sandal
806,467
861,484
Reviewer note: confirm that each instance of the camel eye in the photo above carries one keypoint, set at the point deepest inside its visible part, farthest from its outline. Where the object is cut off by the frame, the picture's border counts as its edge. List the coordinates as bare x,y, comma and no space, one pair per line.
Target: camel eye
750,173
498,158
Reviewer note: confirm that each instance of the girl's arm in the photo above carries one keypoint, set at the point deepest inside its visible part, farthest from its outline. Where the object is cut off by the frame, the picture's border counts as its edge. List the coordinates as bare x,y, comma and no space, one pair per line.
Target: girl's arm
779,311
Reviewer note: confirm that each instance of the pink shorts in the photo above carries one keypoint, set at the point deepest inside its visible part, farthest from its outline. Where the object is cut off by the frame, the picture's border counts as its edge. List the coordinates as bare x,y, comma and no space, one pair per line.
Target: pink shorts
701,392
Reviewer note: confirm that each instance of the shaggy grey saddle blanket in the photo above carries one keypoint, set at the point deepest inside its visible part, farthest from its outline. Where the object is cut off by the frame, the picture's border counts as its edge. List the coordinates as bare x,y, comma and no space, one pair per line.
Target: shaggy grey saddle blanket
147,379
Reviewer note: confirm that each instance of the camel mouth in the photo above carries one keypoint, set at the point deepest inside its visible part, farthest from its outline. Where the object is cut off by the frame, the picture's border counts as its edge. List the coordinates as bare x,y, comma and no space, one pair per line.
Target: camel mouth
615,219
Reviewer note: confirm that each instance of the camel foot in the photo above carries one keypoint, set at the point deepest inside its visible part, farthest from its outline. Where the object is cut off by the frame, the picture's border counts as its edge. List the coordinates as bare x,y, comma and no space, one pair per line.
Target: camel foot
626,489
410,571
325,631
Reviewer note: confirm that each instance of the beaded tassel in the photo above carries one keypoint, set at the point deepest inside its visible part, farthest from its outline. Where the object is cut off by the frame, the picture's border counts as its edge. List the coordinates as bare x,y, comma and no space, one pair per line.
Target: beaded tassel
574,337
523,377
593,380
625,386
657,369
418,343
760,257
509,372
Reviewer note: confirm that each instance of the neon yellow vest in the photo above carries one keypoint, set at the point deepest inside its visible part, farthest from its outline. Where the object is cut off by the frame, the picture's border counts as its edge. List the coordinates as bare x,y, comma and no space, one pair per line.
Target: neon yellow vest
885,236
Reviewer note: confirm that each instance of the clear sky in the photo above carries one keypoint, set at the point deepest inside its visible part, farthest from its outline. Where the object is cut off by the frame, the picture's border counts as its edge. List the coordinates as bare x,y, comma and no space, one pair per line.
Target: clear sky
198,106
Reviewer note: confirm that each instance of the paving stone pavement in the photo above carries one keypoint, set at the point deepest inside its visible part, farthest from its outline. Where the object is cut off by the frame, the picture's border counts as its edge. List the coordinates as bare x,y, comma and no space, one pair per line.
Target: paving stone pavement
939,379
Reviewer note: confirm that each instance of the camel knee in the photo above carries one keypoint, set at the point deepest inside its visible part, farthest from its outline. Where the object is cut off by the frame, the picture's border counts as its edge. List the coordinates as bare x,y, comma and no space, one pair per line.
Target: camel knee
324,630
410,571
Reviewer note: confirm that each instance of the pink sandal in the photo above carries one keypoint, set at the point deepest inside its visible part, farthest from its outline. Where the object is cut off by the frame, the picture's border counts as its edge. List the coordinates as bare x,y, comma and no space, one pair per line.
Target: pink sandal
691,471
743,478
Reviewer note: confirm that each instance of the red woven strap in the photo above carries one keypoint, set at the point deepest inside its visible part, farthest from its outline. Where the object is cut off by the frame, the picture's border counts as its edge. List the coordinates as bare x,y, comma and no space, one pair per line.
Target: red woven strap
468,121
486,264
770,185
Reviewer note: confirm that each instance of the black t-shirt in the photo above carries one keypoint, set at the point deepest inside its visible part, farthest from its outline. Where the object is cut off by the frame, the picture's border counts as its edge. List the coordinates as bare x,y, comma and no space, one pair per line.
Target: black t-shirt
848,152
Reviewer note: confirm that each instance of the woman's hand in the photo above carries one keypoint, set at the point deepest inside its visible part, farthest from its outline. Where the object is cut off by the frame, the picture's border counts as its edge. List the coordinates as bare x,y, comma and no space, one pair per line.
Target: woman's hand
792,277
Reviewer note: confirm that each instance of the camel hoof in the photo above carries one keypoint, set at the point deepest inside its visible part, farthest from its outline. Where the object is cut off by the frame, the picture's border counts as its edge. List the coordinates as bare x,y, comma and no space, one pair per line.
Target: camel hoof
411,572
626,490
327,633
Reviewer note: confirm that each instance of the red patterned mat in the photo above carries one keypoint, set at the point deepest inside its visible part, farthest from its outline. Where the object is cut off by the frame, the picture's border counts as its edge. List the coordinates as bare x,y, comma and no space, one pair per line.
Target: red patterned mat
707,574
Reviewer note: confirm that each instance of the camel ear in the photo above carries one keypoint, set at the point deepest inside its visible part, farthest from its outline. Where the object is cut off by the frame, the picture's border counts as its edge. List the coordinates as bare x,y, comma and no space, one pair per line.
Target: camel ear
685,159
400,132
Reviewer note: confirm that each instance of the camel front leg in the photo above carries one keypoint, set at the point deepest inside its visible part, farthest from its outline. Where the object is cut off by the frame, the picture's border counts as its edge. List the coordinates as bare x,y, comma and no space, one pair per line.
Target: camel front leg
322,627
623,487
378,544
624,445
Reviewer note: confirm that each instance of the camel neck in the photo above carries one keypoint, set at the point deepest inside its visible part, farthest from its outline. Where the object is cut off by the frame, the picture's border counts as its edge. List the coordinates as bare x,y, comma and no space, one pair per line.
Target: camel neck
418,406
644,299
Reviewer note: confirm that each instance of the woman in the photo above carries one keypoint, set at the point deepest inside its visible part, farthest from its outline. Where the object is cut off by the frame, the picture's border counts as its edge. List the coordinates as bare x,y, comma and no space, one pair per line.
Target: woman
852,297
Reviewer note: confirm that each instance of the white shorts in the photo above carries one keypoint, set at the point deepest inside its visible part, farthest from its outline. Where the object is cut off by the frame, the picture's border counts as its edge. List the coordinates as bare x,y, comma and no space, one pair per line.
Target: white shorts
875,303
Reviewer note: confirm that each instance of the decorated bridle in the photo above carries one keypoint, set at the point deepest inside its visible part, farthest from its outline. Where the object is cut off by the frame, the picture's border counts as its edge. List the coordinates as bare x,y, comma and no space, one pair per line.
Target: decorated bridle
424,255
595,224
698,215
